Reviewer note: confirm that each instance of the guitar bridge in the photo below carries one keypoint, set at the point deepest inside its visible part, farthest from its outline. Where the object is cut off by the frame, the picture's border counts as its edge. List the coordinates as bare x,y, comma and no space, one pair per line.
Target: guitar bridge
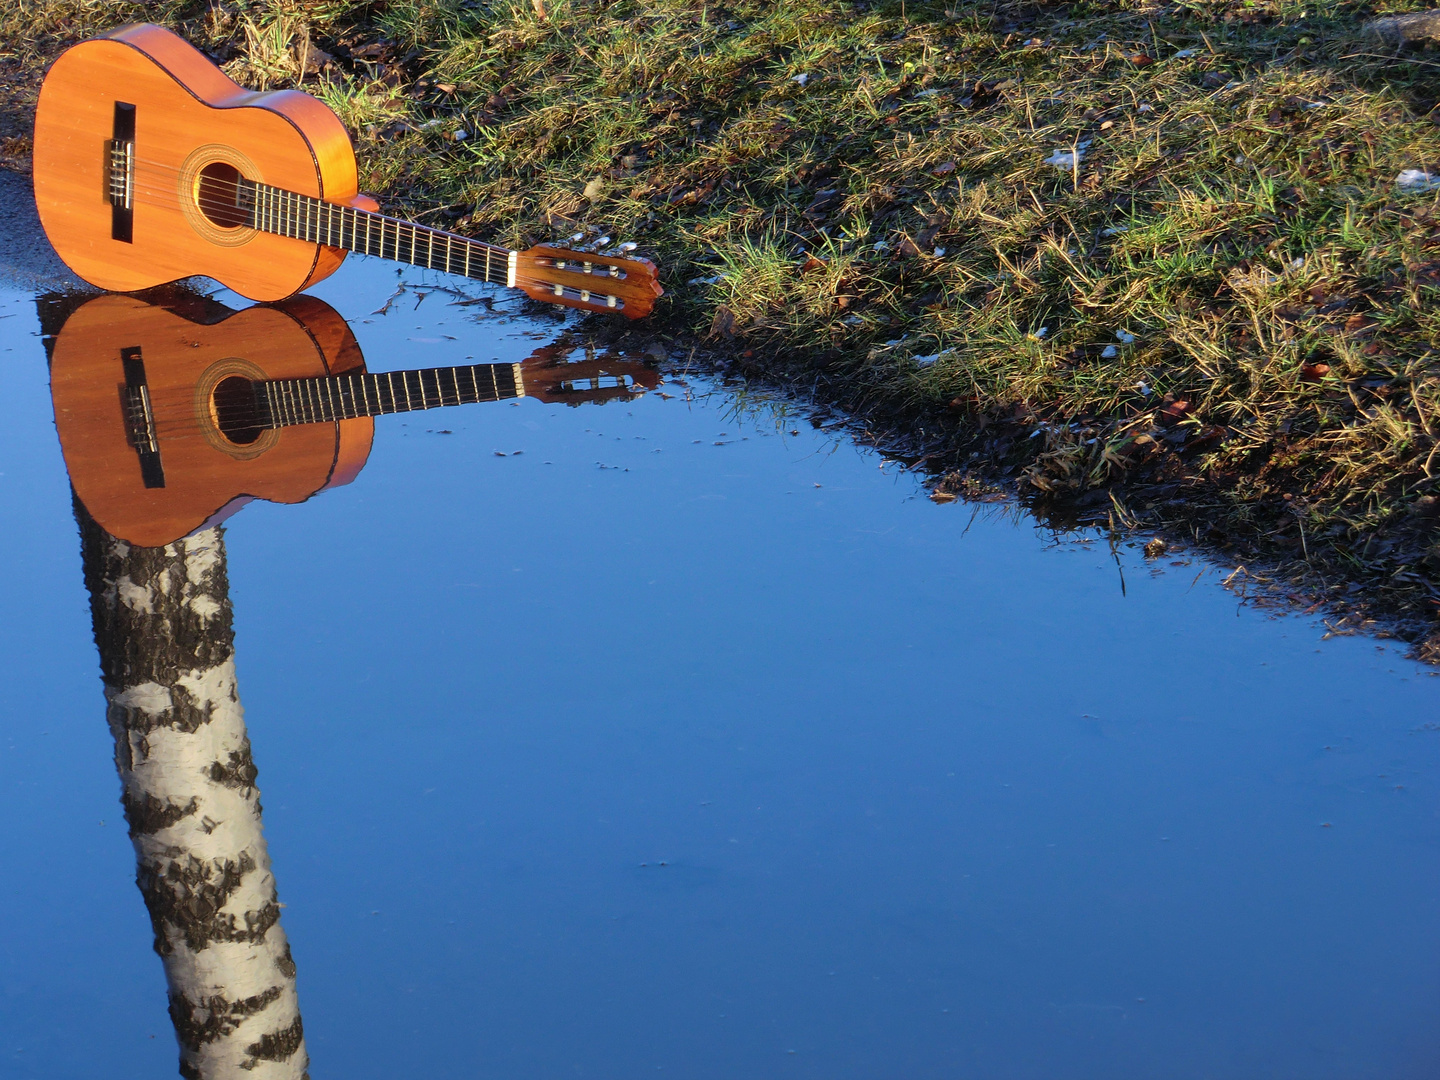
140,418
120,174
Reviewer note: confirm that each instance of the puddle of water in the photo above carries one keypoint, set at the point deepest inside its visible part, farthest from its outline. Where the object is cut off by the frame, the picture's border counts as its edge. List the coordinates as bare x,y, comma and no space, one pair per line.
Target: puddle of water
684,739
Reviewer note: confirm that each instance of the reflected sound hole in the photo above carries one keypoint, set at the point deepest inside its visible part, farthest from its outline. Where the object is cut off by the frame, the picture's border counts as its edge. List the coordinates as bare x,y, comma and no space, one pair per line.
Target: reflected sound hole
237,413
221,196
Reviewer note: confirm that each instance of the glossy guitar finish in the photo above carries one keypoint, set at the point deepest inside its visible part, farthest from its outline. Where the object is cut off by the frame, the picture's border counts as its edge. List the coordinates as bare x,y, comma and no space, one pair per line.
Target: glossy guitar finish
187,115
151,166
204,477
173,417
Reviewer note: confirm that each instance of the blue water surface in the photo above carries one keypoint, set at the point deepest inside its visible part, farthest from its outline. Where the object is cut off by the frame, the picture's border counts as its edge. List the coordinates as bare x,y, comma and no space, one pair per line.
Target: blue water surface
694,741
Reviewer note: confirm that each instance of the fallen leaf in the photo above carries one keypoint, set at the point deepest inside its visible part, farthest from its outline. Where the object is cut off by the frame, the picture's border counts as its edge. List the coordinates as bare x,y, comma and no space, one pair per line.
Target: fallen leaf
945,168
723,325
812,263
1314,372
1140,59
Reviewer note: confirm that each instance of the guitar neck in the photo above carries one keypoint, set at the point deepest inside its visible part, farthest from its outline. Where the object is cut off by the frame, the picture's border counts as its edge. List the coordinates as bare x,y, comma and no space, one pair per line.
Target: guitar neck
275,210
285,402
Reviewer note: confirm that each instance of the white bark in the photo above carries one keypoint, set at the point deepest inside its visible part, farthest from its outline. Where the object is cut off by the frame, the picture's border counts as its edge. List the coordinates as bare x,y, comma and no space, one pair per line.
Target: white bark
163,624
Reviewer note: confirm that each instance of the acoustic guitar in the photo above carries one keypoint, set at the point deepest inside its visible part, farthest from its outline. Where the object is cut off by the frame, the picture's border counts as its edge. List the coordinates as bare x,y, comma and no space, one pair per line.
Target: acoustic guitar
169,424
151,165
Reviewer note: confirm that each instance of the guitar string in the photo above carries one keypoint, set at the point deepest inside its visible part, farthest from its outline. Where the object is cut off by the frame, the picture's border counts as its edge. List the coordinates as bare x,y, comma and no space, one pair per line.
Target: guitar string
169,194
524,276
309,400
499,255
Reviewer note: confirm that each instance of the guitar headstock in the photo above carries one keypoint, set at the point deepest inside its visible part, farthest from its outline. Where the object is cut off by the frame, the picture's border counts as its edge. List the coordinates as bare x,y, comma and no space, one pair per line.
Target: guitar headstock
549,375
590,282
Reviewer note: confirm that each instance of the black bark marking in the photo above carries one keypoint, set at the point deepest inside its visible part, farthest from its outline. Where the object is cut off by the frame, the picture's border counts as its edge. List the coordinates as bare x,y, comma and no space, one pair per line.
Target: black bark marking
149,815
278,1045
237,771
286,963
138,647
200,1022
187,895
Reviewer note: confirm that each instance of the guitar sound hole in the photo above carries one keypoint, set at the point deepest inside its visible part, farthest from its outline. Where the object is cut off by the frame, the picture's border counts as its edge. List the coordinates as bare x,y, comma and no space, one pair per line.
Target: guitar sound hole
237,413
220,196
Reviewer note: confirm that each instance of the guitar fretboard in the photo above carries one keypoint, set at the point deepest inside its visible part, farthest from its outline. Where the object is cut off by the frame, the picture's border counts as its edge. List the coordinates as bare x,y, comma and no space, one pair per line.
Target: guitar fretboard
284,402
274,210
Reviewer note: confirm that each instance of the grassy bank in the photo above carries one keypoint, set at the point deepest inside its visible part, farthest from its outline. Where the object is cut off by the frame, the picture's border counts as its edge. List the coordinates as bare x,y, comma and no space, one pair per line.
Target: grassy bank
1152,261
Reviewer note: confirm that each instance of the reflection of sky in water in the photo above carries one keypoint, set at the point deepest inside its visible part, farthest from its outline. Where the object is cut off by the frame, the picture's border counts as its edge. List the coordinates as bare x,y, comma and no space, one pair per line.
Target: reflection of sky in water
690,766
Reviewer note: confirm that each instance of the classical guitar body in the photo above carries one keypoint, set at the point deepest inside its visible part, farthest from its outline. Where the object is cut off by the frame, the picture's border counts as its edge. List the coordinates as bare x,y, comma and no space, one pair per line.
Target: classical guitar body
191,130
137,390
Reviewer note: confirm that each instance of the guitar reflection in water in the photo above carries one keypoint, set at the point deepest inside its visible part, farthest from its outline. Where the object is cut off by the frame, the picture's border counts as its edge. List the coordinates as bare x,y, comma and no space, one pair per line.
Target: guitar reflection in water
159,451
173,415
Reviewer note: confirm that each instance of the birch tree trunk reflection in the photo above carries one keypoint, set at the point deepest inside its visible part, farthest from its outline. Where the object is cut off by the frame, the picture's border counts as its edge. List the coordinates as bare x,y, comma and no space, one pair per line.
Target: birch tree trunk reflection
163,625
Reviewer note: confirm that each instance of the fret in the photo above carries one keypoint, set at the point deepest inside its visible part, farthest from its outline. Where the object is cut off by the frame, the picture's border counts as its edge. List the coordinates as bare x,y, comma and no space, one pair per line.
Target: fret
341,383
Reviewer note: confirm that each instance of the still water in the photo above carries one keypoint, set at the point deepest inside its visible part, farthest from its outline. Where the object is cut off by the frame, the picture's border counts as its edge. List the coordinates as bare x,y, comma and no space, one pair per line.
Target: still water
675,737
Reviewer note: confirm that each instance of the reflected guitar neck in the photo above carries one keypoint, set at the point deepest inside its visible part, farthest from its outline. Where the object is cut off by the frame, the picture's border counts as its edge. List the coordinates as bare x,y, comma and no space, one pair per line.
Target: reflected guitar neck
285,402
